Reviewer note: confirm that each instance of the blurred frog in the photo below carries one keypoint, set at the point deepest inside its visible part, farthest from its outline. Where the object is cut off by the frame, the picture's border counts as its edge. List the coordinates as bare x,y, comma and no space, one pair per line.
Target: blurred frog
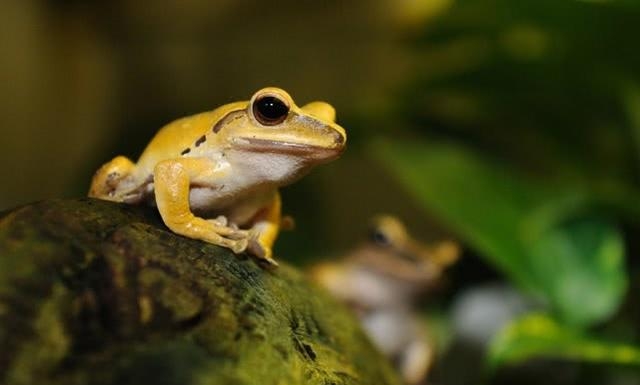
381,281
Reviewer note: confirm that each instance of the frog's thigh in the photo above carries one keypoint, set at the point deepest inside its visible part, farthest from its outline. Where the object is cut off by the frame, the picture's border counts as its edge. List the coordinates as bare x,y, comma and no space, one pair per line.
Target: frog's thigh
105,180
172,179
266,229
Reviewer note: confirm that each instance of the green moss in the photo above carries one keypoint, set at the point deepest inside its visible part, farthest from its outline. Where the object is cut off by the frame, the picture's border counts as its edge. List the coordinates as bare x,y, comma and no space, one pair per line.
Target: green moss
100,293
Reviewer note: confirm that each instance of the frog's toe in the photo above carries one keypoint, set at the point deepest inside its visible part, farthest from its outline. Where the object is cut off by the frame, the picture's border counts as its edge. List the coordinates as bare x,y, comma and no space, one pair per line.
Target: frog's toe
261,251
238,234
221,220
256,248
272,261
221,227
239,246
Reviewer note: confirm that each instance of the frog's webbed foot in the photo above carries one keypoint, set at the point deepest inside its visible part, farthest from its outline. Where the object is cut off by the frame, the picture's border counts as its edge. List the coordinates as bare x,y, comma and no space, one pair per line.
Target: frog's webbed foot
228,230
108,178
211,231
236,245
221,220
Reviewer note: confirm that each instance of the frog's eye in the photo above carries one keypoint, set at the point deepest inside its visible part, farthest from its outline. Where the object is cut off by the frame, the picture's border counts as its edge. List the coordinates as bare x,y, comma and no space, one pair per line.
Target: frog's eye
379,237
270,110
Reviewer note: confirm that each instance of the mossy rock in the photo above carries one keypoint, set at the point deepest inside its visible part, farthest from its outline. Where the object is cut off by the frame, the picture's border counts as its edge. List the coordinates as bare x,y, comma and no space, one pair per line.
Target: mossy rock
93,292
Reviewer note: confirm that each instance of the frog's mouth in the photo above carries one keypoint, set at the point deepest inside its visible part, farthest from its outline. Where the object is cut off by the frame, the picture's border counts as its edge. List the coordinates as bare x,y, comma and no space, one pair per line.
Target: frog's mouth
292,148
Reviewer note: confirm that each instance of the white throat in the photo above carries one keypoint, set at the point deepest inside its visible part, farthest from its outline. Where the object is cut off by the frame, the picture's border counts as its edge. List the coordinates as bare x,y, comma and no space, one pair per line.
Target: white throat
257,168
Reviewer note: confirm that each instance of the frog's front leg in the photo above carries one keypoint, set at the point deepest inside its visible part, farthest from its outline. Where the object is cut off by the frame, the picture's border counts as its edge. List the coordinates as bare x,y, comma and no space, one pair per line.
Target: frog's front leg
265,229
416,360
172,179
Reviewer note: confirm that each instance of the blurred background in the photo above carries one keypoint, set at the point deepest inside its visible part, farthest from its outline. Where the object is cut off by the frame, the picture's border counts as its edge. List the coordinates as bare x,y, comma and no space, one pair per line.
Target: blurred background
513,127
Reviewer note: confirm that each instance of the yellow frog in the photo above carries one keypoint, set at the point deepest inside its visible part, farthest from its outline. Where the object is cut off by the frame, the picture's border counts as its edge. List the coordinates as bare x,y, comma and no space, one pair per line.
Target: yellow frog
380,280
226,165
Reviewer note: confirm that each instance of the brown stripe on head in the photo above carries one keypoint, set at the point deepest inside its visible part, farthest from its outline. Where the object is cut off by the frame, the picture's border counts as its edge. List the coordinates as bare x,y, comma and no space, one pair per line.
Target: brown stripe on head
230,116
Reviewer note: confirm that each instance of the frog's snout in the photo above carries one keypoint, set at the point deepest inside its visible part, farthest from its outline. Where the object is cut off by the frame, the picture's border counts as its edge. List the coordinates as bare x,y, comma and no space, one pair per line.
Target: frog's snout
339,135
339,138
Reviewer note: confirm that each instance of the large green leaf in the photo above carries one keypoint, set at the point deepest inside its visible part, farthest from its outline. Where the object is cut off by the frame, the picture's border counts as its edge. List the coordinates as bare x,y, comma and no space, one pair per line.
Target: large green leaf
579,264
537,81
538,335
544,238
631,101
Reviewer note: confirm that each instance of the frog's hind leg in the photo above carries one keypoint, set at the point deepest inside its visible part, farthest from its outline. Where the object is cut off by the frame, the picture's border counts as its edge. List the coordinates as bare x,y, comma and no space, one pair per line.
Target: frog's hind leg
265,230
108,178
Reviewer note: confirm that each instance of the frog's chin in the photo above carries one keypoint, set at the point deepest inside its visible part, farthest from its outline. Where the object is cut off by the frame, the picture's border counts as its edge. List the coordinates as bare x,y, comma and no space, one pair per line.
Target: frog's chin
301,150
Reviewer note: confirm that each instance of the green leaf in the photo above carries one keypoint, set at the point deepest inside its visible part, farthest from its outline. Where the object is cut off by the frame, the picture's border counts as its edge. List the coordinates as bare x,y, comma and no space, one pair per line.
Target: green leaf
478,201
539,335
517,79
581,268
631,102
537,235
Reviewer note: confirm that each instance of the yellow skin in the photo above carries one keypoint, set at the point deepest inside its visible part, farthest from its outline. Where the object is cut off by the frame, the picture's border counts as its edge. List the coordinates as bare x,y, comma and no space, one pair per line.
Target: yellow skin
380,280
215,176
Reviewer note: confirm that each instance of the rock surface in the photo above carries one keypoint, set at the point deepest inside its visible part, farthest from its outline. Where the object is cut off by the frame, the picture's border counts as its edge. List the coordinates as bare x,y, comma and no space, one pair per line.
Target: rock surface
93,292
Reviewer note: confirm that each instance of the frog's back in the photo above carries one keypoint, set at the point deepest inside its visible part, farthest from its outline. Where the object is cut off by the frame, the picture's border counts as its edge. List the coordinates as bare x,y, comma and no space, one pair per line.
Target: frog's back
172,140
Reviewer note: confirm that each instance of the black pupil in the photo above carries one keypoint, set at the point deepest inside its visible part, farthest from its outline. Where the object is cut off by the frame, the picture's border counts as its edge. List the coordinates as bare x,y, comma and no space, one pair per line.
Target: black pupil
379,237
271,109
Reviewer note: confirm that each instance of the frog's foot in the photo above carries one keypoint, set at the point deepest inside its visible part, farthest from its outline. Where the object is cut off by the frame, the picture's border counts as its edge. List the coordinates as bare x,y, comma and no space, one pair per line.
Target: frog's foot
224,228
211,231
220,220
226,236
223,221
236,245
260,249
107,179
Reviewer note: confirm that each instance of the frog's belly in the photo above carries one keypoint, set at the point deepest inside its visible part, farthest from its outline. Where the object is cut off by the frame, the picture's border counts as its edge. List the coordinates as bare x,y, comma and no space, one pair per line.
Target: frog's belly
207,198
237,207
391,329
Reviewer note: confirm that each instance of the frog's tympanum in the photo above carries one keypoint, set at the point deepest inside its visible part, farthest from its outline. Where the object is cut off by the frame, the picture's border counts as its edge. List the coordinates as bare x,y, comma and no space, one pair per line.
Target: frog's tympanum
215,176
380,281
